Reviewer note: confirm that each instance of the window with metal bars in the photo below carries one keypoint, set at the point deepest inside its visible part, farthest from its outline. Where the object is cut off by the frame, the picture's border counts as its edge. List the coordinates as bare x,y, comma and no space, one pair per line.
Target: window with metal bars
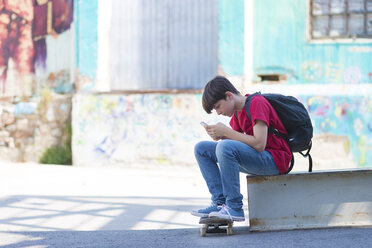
340,19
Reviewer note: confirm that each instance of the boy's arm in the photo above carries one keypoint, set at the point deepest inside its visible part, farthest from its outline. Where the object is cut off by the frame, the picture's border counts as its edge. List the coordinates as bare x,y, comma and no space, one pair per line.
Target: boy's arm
257,141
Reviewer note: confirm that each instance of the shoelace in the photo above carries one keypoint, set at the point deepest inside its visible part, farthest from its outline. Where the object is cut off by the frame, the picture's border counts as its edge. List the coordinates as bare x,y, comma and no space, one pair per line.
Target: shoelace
226,209
212,205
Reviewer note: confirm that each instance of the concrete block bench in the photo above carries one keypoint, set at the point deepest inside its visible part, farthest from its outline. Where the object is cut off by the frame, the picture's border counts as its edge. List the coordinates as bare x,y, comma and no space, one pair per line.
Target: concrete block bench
310,200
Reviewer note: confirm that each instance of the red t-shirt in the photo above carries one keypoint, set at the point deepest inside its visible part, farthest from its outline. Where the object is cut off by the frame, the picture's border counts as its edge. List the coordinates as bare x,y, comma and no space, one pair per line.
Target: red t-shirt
260,109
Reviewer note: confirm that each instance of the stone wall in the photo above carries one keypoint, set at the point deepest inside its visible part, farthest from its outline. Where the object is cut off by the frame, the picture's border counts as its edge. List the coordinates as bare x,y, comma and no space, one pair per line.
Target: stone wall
29,126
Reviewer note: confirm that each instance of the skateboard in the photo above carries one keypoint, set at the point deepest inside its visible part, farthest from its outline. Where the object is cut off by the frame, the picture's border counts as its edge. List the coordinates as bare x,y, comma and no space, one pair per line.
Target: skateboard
213,224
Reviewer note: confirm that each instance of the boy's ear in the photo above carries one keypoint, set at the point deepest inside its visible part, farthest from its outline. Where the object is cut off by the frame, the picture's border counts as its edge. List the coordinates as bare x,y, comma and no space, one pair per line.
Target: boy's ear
228,94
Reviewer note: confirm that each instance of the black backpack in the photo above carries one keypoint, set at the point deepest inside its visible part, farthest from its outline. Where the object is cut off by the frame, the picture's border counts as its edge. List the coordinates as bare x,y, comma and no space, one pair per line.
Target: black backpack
296,121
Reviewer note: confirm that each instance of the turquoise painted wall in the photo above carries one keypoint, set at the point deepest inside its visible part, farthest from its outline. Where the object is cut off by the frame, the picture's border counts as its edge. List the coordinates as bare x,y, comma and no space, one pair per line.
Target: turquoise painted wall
86,21
231,36
280,46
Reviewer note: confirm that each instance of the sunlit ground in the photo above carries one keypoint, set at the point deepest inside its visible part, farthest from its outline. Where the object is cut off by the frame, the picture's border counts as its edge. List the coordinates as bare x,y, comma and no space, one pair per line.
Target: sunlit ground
58,198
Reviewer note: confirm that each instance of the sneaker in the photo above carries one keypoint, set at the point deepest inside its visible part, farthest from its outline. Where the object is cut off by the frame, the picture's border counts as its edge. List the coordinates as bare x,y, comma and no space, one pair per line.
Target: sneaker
206,211
228,213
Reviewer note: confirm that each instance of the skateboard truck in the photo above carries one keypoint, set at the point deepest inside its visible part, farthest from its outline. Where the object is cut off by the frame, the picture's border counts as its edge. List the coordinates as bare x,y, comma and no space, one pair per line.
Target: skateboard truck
213,225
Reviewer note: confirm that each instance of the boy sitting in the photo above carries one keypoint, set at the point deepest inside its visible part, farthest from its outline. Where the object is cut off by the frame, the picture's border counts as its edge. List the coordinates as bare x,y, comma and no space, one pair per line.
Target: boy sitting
245,147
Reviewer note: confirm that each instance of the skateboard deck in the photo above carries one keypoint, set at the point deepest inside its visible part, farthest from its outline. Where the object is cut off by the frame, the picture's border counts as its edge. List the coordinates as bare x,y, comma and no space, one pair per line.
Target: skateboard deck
213,225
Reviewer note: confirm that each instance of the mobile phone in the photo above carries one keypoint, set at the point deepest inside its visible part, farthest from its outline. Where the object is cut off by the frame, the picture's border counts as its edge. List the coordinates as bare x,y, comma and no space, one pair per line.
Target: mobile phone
203,124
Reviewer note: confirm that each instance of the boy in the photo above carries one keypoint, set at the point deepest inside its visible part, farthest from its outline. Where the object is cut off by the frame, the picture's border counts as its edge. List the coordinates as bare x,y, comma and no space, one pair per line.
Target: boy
246,147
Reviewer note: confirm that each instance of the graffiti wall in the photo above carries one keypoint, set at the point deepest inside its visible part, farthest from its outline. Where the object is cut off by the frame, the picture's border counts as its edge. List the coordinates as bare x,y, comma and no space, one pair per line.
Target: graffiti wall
345,116
137,128
35,46
163,128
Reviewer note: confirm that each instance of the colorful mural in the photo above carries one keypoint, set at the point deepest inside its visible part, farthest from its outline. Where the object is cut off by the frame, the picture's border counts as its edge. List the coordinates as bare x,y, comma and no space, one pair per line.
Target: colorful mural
140,128
163,128
346,116
30,45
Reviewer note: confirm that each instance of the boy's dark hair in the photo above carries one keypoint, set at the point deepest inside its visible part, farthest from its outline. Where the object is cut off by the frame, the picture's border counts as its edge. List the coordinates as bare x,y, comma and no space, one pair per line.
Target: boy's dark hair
215,90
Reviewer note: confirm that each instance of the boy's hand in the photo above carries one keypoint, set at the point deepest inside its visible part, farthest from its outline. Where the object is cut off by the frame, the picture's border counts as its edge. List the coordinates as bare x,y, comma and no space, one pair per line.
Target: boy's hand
217,131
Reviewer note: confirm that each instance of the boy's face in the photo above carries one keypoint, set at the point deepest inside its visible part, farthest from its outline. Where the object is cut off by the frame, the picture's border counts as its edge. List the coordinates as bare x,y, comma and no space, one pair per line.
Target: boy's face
225,106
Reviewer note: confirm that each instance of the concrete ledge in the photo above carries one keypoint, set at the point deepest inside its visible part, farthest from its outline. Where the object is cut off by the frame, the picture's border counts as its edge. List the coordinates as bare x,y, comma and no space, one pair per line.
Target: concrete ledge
310,200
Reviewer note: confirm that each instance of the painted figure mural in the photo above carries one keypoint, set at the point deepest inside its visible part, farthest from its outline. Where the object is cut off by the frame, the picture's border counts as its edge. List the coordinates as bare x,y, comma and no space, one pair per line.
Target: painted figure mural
24,26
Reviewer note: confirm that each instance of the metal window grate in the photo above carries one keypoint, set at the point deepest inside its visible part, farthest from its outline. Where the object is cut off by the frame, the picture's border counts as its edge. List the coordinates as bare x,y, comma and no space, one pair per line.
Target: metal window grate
341,19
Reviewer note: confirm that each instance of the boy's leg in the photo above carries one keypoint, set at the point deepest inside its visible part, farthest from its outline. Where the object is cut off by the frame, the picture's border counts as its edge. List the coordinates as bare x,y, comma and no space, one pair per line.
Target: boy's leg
235,156
205,154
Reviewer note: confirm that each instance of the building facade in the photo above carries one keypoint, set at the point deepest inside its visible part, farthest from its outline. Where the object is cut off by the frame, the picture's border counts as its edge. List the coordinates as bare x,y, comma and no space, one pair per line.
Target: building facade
135,72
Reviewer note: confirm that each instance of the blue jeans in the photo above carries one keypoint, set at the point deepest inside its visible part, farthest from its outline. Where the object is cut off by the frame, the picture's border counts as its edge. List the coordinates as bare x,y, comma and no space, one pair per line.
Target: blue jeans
232,156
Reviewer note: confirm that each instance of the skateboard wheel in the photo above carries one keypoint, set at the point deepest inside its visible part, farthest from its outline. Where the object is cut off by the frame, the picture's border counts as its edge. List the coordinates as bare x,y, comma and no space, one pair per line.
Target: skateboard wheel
203,232
229,230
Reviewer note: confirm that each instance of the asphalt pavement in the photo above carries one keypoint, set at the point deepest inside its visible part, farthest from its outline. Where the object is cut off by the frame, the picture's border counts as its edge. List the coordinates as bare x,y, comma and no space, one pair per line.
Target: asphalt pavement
64,206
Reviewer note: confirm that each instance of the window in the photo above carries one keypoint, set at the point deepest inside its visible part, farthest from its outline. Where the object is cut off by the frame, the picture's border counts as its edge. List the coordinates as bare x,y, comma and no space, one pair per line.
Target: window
339,19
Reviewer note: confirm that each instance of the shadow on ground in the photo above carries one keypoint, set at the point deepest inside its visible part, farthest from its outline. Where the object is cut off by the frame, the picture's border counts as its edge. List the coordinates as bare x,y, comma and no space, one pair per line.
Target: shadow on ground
90,213
97,221
345,237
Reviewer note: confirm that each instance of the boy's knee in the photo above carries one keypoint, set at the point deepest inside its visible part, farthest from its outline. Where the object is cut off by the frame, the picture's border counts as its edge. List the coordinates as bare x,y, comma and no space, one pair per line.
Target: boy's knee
224,147
200,147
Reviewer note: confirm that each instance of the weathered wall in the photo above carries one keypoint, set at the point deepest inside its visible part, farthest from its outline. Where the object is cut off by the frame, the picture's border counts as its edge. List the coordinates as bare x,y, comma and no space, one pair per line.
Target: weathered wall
281,46
231,36
36,47
137,128
167,44
163,128
142,128
86,42
36,65
332,77
350,117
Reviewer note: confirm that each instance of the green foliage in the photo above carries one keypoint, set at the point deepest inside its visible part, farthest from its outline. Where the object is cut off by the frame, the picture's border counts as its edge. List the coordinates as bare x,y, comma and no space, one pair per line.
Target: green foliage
56,155
59,154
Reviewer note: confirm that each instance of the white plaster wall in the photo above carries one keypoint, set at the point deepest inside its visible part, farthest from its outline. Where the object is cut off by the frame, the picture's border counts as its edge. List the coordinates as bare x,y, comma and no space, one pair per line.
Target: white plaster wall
138,129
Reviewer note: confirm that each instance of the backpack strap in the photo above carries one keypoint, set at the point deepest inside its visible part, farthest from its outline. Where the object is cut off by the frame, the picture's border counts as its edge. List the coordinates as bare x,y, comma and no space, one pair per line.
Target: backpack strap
307,154
275,132
291,165
248,103
271,129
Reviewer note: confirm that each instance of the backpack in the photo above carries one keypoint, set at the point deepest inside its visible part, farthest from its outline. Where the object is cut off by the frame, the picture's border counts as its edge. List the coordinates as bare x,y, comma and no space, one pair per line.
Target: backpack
296,121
